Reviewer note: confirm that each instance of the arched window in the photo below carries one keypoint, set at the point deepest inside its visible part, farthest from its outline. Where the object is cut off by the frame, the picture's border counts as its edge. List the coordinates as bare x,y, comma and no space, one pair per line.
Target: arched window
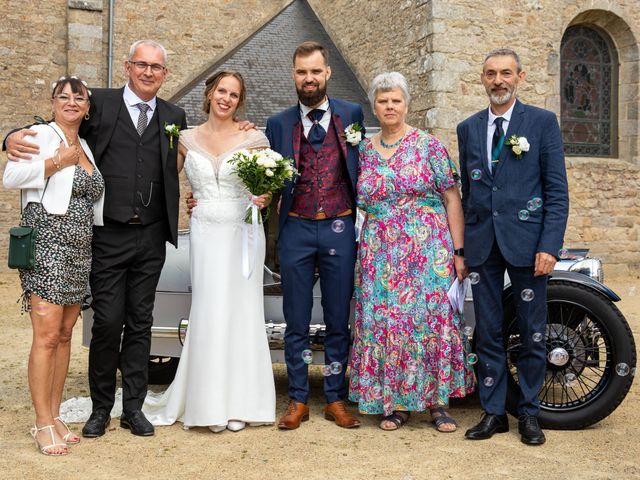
588,92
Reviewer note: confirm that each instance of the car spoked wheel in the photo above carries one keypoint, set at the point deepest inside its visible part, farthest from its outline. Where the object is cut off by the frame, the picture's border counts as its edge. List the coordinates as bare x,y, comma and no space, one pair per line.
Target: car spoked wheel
590,355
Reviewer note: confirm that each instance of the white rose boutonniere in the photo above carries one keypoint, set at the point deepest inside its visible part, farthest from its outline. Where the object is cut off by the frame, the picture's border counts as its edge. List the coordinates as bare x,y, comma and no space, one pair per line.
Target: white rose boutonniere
172,131
353,134
519,145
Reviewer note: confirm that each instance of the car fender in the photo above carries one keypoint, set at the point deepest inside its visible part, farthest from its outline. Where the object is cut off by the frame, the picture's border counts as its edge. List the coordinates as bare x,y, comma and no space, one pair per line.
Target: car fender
585,280
567,276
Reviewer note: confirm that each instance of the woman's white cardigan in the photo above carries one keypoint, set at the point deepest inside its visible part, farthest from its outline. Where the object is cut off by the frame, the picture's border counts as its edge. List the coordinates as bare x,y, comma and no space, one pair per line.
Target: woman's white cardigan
29,174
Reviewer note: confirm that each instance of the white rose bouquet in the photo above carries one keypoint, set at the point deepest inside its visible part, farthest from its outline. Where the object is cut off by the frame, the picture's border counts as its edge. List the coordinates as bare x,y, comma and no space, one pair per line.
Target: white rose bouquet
262,171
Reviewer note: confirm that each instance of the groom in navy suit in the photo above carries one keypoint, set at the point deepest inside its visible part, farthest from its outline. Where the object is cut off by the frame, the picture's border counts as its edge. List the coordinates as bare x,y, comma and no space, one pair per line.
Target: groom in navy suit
515,201
316,230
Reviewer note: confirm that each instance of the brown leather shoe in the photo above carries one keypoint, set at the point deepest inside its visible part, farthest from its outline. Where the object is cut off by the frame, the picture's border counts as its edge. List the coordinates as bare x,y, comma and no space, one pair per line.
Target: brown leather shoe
296,412
337,412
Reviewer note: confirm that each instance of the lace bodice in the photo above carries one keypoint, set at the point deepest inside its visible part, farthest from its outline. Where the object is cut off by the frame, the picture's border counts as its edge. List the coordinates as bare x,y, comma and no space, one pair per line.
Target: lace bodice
221,195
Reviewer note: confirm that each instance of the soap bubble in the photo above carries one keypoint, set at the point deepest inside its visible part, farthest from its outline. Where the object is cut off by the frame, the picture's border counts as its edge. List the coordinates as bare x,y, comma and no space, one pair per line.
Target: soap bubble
523,215
338,226
307,356
537,337
488,382
570,380
335,368
563,253
622,369
412,365
527,295
476,174
531,205
332,251
326,370
474,278
472,358
468,331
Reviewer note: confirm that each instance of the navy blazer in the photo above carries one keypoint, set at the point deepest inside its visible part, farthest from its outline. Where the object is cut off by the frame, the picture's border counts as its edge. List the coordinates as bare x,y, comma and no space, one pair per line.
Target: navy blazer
281,130
492,203
98,130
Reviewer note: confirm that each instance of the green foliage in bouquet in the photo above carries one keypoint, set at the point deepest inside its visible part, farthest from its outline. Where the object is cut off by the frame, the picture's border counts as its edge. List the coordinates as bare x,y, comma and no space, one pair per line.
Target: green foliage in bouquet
262,171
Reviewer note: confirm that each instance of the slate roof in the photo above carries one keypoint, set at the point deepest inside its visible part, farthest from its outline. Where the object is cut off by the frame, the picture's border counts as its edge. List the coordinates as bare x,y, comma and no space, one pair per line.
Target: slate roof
264,60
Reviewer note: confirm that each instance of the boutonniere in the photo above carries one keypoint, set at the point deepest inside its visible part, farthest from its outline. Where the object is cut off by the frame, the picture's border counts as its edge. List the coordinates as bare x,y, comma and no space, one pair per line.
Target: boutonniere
172,131
353,134
519,145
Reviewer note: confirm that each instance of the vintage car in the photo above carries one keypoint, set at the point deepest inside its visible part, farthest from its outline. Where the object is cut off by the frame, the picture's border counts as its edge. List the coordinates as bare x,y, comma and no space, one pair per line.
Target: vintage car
591,355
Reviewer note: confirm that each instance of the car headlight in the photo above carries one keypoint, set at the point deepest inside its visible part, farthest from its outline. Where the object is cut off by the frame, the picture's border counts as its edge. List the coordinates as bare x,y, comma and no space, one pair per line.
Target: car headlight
592,267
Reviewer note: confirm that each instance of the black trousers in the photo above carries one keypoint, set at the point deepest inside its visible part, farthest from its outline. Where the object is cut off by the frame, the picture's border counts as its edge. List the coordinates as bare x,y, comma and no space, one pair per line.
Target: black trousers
126,267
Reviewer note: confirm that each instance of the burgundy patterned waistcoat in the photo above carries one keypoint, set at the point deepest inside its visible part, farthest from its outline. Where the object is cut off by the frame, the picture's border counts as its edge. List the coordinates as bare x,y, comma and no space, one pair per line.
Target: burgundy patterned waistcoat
323,183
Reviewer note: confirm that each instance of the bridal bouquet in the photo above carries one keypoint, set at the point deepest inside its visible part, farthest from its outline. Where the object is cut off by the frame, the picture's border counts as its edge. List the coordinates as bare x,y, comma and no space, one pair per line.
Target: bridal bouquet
262,171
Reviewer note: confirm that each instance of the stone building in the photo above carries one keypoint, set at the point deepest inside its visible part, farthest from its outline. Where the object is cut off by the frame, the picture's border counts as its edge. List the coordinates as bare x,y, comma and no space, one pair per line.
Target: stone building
582,60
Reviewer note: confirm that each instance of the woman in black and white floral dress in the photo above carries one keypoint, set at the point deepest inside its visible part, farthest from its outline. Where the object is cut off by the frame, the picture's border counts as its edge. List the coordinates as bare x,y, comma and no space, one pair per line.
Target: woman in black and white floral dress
63,192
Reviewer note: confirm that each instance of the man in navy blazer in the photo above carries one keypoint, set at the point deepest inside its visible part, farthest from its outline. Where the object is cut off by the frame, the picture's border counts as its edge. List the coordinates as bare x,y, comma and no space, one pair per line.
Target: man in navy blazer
515,201
316,230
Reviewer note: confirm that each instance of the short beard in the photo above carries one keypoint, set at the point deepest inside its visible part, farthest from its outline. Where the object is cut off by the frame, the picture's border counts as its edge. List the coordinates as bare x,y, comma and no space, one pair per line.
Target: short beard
502,99
311,99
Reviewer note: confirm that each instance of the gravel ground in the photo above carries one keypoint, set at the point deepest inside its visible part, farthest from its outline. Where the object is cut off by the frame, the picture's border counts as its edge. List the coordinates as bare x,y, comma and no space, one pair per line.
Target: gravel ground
317,450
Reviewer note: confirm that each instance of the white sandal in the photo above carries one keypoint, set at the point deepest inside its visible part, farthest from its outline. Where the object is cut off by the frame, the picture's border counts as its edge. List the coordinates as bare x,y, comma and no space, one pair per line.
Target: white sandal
45,449
69,433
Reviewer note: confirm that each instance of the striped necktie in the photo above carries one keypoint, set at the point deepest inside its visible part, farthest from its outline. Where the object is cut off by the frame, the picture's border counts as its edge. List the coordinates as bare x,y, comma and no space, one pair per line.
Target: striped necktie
142,118
496,143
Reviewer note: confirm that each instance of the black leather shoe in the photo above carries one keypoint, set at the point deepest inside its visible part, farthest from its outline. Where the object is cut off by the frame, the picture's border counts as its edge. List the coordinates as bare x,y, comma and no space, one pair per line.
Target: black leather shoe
137,423
489,425
97,424
530,431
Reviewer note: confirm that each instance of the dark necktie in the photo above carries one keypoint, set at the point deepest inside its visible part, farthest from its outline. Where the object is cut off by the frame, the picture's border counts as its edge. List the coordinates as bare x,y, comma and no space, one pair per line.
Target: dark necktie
142,118
317,133
497,142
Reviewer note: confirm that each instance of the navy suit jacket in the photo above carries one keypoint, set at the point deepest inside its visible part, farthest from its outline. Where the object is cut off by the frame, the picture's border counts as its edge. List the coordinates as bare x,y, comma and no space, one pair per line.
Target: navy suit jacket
492,203
282,131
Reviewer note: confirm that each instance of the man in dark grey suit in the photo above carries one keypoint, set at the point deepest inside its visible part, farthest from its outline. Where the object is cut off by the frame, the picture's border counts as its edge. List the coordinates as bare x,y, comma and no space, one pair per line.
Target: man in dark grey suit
126,133
515,201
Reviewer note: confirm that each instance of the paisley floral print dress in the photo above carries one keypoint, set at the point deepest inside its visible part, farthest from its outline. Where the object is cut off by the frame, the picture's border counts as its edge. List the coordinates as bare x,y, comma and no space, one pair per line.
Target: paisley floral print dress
408,352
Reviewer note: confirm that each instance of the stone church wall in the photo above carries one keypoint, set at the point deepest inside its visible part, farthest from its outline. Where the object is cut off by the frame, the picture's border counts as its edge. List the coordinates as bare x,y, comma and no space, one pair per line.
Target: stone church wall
439,45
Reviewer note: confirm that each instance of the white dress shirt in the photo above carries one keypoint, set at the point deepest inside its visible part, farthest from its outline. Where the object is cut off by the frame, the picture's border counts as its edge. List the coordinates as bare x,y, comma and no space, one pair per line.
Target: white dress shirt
491,128
307,123
131,100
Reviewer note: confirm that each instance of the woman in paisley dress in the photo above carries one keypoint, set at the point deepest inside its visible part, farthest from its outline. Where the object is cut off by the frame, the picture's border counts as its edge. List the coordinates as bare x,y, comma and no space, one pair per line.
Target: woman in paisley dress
63,193
224,379
408,354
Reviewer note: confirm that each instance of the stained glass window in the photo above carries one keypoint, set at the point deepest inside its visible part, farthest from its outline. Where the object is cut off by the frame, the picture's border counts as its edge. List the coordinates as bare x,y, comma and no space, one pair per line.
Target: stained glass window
588,84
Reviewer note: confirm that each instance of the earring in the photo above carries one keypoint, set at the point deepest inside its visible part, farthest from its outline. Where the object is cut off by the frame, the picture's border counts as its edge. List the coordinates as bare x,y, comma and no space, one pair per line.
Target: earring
87,116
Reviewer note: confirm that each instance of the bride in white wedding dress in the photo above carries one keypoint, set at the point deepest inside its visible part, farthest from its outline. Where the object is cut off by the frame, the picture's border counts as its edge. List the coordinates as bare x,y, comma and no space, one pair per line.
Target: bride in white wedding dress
224,378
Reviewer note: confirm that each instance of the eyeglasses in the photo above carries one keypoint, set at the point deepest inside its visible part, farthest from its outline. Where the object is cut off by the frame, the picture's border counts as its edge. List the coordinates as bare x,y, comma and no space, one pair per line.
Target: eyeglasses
62,98
142,66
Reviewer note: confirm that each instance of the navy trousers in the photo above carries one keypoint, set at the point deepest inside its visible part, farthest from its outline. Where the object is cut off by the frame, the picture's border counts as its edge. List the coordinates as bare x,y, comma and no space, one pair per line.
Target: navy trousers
532,316
304,244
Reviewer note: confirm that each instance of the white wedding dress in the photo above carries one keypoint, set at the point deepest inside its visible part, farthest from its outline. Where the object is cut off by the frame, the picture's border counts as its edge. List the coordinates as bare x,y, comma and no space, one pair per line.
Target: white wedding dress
225,368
